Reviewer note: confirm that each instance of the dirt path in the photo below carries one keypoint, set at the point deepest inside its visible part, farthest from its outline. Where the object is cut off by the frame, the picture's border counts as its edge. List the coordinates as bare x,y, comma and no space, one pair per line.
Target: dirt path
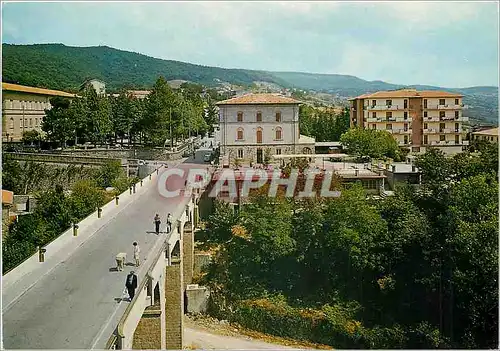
208,333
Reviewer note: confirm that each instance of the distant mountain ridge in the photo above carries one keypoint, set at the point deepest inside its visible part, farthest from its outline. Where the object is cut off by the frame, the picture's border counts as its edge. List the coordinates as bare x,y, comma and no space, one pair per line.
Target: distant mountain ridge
58,66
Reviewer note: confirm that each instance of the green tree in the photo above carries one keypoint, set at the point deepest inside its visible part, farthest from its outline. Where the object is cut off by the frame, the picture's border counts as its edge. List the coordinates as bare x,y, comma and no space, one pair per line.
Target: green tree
57,123
370,142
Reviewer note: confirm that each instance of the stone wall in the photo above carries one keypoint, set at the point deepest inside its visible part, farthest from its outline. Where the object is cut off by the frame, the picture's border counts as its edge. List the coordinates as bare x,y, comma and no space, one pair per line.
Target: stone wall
174,306
147,334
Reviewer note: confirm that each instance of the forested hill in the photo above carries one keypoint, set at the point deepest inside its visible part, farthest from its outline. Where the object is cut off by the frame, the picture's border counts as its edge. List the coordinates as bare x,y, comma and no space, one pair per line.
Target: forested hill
63,67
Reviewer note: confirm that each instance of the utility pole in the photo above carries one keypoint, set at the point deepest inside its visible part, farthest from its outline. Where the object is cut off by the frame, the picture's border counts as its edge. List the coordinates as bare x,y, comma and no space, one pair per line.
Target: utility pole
171,138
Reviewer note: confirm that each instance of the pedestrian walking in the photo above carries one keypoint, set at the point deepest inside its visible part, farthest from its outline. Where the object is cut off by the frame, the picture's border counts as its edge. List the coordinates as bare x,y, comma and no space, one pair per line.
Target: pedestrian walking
169,223
157,223
137,251
131,284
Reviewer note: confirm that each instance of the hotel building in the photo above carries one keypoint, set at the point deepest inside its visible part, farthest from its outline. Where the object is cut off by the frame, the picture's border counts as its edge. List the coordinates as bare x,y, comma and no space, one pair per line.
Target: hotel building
416,119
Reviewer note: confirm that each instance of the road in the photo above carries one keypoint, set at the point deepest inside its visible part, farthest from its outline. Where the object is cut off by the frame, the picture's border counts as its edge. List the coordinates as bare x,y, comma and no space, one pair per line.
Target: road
78,304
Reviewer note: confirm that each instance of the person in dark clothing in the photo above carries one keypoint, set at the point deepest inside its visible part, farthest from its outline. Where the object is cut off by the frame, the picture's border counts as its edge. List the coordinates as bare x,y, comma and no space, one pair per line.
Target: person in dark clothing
131,284
157,223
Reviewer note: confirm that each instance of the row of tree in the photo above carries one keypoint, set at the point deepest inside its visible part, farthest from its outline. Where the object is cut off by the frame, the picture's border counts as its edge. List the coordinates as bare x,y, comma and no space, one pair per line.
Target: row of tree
164,114
420,268
325,124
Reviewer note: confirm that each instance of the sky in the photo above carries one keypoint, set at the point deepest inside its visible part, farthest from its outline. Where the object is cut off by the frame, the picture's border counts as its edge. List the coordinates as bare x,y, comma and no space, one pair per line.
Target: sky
447,44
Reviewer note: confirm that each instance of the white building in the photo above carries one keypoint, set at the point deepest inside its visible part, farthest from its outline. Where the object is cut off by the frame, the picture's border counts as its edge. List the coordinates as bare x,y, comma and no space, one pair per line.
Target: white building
98,85
254,124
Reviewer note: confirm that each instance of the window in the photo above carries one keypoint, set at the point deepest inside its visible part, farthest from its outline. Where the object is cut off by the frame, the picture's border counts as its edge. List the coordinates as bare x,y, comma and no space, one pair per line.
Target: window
405,115
442,137
426,140
240,116
456,101
441,126
278,116
442,102
405,127
259,136
457,139
240,134
278,151
406,139
259,116
11,123
388,115
388,102
25,122
278,133
240,153
374,126
457,127
442,114
374,114
388,126
374,103
31,122
406,104
456,114
425,125
425,113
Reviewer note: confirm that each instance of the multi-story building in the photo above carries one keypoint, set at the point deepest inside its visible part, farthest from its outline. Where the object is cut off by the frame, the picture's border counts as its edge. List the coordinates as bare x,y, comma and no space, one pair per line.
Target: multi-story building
490,135
254,123
23,109
416,119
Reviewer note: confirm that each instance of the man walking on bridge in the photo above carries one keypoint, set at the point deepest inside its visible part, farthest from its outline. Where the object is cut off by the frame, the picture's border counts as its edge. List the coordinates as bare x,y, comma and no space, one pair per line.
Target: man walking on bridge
131,284
157,223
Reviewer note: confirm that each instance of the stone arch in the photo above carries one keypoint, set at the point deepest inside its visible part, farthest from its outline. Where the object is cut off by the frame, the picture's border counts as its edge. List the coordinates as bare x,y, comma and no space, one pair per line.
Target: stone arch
307,150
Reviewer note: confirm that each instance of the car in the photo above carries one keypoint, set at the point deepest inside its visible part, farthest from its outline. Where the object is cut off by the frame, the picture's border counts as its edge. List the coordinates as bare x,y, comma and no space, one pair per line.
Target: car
141,162
206,158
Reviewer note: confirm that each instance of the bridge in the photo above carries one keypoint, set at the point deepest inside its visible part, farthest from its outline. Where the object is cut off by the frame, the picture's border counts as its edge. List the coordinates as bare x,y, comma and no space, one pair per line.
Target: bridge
75,297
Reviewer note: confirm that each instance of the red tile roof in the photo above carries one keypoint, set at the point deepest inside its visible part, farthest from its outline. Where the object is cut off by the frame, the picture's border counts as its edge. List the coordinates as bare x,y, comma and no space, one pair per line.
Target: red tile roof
259,99
34,90
408,93
7,197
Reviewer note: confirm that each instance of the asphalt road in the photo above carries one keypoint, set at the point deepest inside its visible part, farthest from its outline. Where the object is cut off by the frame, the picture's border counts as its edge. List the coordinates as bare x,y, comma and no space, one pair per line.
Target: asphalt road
78,304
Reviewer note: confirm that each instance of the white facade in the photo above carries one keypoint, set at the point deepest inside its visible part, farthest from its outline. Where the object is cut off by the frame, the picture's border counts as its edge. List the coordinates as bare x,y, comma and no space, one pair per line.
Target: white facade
249,131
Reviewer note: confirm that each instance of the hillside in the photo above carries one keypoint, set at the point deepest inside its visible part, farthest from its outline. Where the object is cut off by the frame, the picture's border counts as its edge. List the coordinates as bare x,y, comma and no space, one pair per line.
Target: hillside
63,67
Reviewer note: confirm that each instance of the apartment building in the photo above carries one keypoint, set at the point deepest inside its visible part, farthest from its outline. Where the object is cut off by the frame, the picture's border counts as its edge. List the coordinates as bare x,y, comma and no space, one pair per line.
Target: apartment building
254,123
23,109
416,119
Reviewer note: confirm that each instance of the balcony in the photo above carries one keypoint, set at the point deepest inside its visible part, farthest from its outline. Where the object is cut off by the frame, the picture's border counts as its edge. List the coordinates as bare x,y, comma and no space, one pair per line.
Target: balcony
447,118
401,119
385,107
372,119
444,130
430,131
444,107
462,119
431,119
465,142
